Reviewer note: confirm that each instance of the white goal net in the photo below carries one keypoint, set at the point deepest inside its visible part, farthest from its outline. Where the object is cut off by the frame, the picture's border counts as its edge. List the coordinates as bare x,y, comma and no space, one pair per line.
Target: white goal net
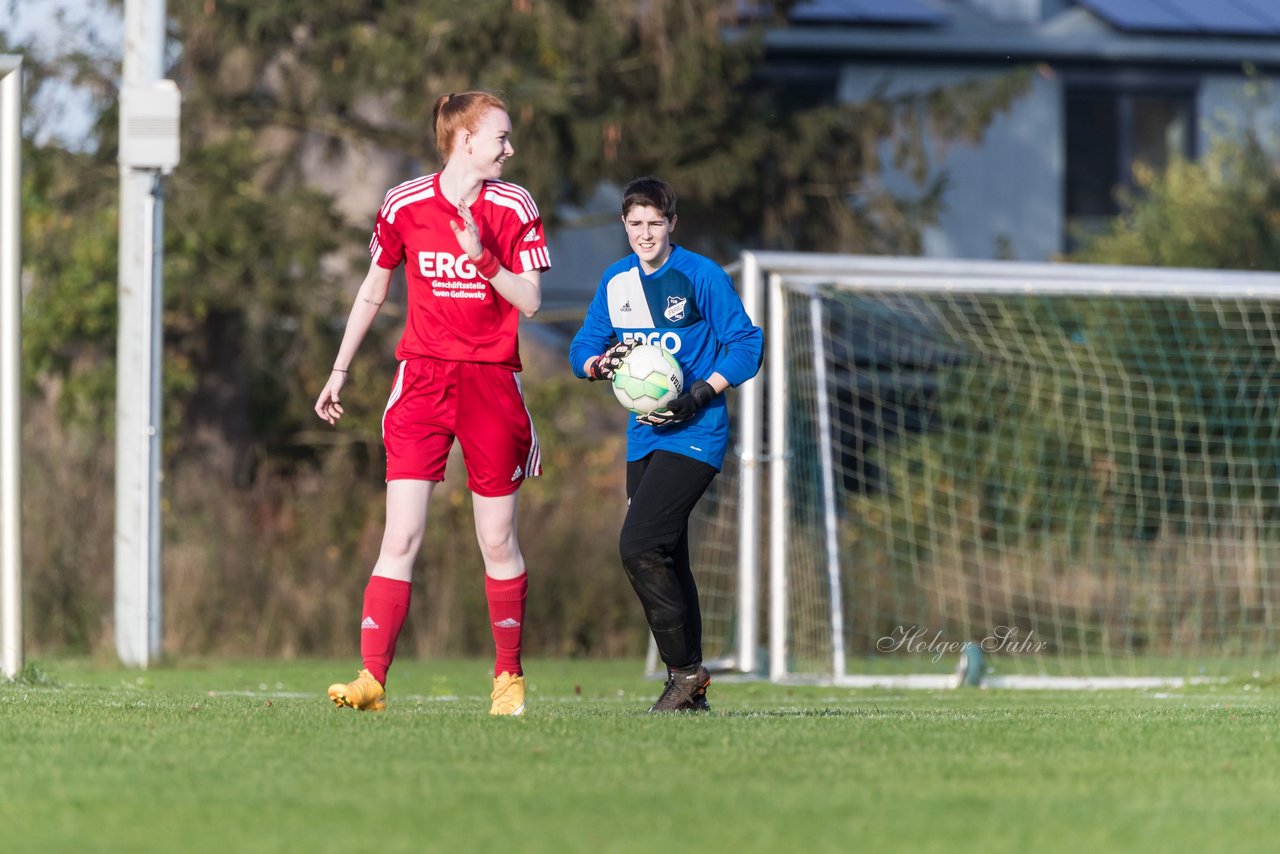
1073,470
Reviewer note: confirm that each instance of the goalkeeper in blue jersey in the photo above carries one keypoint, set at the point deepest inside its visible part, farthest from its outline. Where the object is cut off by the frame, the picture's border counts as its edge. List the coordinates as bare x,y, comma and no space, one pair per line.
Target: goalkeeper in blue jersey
666,295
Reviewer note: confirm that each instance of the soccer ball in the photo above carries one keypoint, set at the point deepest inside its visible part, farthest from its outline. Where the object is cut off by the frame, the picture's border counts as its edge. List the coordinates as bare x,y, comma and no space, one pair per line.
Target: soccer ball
648,379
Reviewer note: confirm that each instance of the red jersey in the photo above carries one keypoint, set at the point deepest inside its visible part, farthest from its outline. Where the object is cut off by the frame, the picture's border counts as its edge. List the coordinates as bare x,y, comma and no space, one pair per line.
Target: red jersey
454,314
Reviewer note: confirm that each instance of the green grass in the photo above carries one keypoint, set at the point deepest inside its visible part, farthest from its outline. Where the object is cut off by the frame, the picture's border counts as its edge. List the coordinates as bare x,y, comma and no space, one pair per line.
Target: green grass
206,756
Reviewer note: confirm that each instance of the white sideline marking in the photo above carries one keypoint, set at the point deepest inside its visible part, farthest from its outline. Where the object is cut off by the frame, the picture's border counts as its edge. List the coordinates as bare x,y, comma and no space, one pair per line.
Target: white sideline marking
306,695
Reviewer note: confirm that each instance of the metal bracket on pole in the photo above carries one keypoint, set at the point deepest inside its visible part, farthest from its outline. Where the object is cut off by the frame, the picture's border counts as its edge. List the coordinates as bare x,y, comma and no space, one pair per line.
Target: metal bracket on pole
149,117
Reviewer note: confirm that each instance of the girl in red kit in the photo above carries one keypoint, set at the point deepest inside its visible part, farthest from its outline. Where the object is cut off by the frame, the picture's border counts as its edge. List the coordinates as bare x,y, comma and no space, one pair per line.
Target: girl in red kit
474,251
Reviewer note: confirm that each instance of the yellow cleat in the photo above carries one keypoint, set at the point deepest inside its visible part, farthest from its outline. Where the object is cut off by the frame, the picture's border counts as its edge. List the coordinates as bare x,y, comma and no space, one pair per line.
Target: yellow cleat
508,695
364,694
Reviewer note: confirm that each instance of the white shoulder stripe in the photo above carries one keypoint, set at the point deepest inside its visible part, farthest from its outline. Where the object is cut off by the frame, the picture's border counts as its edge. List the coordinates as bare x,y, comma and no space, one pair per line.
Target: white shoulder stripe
518,198
508,186
407,200
507,202
407,187
396,195
514,190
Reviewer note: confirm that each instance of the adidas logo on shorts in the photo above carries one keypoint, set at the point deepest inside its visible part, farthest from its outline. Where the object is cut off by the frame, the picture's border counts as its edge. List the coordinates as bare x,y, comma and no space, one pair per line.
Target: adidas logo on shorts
516,474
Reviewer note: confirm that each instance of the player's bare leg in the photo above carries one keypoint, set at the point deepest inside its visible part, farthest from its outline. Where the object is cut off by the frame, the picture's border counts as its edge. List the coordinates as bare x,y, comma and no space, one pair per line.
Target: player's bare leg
496,532
407,503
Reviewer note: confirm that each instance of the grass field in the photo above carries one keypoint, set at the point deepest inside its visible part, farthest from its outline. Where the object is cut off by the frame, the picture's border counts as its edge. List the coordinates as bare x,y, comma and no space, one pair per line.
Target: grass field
249,756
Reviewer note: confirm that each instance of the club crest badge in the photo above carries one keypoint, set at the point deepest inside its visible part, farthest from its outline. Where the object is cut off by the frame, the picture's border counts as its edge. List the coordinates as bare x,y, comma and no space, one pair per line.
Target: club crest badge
675,308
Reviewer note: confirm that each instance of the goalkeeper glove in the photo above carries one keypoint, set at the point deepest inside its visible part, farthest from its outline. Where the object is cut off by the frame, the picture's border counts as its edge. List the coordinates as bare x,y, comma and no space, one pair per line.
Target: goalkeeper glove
683,407
604,366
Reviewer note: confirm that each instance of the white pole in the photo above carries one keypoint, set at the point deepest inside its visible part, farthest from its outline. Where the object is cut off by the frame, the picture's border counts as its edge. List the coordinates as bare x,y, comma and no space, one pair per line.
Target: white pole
11,651
778,508
137,569
826,437
751,402
155,328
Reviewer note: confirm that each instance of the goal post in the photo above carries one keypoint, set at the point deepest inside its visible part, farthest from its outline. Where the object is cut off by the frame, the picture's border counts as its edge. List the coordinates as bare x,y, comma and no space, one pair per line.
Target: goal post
1050,474
11,646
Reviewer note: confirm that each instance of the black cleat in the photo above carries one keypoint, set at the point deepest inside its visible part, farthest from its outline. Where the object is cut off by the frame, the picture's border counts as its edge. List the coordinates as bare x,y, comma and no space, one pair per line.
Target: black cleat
685,691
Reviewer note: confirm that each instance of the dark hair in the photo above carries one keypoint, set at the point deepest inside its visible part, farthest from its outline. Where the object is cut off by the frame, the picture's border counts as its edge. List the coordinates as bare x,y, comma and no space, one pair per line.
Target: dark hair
652,193
461,111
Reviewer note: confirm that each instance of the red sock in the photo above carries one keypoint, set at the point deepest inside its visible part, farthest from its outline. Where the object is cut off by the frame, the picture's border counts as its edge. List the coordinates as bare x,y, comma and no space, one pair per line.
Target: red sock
386,604
506,618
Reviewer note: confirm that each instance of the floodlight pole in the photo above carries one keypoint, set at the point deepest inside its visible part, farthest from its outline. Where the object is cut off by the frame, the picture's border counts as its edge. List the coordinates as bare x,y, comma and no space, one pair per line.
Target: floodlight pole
148,150
11,650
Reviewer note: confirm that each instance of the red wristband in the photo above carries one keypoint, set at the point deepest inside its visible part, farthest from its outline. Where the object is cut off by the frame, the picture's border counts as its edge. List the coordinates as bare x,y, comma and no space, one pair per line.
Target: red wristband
487,265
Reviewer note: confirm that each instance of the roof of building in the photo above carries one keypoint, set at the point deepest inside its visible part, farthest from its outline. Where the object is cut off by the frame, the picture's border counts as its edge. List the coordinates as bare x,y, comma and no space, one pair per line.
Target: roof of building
1204,33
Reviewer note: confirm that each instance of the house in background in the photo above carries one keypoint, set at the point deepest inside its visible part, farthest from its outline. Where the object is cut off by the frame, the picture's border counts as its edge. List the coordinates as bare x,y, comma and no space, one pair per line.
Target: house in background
1113,82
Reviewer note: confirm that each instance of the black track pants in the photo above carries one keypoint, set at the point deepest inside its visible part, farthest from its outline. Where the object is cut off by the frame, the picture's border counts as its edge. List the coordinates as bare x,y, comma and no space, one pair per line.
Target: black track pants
663,489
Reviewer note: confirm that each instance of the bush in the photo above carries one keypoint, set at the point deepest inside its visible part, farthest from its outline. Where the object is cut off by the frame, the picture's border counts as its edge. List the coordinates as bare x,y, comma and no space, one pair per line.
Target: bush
277,565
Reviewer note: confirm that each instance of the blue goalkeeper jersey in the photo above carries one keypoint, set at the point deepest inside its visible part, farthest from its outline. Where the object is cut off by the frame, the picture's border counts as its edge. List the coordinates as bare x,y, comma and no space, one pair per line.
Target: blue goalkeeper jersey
690,309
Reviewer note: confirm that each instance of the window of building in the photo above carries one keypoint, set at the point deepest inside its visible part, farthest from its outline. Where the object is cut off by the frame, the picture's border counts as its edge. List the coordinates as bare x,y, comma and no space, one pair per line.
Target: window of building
1111,124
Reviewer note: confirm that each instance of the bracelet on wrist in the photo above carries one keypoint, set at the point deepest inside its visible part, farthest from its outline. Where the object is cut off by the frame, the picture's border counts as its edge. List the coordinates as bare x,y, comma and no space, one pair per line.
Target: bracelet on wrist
487,265
340,370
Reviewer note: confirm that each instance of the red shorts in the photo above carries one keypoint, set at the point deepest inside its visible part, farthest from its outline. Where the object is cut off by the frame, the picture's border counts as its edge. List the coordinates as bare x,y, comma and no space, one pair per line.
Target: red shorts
432,402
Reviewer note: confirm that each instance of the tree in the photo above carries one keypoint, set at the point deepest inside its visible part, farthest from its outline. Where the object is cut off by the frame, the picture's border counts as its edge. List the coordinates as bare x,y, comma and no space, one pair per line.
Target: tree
281,98
601,91
287,108
1216,214
1219,213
